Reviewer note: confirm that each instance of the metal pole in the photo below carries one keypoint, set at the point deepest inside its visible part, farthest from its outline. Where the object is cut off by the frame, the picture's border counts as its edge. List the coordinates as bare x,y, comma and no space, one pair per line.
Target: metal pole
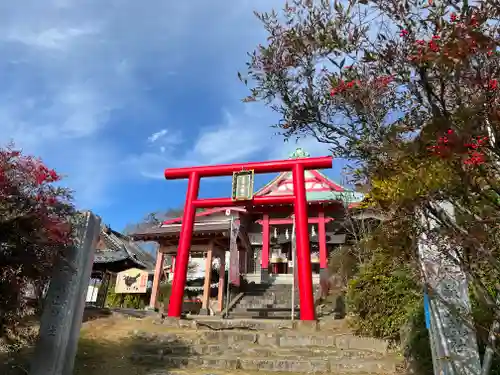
431,330
293,263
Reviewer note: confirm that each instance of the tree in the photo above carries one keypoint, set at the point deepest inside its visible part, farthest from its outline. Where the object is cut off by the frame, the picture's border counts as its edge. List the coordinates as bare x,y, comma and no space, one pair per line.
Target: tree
34,229
408,90
154,219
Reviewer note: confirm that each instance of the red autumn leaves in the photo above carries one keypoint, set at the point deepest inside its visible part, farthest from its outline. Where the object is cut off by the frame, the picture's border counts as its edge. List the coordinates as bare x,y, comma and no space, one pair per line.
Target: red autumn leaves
342,86
448,145
26,185
43,174
462,37
457,40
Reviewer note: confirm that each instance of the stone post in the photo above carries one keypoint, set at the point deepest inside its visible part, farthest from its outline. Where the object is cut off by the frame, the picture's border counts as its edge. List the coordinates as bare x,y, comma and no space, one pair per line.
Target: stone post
62,316
455,349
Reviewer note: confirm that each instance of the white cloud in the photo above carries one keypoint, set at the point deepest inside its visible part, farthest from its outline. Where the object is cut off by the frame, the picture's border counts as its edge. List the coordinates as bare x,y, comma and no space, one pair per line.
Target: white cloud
239,135
243,135
52,38
236,138
155,136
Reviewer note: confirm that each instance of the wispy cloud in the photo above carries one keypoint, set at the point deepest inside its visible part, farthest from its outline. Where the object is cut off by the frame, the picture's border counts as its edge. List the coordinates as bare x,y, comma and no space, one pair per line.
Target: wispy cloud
52,38
157,135
243,135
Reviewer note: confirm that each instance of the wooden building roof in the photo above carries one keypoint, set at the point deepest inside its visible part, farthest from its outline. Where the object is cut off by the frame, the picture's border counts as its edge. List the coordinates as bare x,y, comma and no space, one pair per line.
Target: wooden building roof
172,230
115,250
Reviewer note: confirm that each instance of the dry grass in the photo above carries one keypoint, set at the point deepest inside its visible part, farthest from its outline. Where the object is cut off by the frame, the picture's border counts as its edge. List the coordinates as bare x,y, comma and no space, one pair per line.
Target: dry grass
115,328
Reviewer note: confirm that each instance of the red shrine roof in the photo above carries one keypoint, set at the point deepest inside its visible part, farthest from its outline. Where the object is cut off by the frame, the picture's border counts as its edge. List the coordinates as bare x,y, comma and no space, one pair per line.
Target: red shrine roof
318,186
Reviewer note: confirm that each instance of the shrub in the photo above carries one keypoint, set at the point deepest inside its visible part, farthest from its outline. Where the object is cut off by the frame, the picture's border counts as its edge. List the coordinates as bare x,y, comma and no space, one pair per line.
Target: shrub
382,298
128,301
34,230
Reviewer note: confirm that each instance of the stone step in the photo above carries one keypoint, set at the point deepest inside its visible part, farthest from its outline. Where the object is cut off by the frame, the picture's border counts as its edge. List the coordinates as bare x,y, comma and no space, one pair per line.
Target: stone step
263,315
268,299
275,340
251,301
318,365
275,290
254,350
257,305
294,339
261,301
265,292
233,323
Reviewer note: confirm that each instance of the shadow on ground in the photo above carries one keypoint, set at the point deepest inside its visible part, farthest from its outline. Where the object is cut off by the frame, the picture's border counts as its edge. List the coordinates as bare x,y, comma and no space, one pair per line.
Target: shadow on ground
102,357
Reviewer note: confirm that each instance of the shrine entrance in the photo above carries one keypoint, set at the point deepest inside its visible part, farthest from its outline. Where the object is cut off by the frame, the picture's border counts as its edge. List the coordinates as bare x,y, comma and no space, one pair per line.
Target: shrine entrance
243,196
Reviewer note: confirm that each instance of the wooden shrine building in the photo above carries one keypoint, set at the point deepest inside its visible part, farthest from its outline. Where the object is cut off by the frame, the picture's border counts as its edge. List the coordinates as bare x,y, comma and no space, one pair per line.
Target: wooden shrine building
265,235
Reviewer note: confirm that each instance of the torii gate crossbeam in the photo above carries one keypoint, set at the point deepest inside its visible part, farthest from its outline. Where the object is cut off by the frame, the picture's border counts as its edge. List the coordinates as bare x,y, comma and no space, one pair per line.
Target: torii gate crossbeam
194,174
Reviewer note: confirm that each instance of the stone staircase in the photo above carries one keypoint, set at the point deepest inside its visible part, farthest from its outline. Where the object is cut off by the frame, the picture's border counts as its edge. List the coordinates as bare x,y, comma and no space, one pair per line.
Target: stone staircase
273,348
271,301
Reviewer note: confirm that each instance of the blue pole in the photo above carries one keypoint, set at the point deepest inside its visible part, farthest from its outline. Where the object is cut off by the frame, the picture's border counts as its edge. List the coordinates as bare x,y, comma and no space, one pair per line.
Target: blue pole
427,311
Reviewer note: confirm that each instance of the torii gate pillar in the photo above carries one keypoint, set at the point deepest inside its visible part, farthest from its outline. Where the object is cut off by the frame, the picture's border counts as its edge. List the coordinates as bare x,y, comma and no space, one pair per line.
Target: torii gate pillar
194,174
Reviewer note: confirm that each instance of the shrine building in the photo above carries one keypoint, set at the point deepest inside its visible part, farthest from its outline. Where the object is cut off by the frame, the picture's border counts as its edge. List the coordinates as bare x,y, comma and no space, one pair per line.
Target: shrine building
265,235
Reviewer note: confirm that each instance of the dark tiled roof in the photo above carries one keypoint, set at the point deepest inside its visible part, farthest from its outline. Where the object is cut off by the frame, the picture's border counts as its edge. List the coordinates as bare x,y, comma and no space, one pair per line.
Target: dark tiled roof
120,247
174,229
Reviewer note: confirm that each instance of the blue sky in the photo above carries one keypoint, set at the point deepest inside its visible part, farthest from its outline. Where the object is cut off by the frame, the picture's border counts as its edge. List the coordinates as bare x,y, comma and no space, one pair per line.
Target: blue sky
111,93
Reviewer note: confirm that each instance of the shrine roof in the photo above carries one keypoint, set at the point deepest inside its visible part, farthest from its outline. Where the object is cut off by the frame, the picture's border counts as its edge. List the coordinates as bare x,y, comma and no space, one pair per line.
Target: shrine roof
331,191
174,229
117,247
345,196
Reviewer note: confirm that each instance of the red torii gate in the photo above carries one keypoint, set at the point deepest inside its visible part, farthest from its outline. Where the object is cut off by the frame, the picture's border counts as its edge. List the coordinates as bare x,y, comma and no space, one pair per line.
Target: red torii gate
194,174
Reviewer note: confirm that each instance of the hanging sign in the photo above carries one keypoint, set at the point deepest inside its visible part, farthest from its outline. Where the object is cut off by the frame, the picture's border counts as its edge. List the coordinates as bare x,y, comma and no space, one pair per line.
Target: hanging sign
132,280
234,259
243,185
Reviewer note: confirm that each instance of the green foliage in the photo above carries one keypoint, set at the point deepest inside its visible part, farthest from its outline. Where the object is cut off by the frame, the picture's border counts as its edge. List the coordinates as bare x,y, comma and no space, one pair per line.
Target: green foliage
129,301
382,298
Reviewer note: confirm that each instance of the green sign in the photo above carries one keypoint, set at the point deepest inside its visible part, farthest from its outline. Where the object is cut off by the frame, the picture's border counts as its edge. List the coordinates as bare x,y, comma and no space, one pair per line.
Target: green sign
243,185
